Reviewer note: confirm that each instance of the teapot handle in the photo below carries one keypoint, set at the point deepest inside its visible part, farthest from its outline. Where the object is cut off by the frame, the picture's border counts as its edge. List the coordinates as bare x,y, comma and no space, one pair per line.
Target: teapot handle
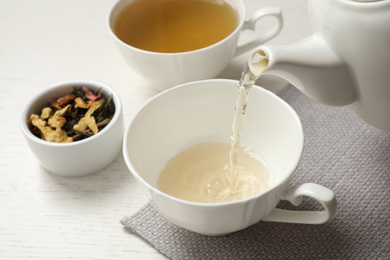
251,25
320,193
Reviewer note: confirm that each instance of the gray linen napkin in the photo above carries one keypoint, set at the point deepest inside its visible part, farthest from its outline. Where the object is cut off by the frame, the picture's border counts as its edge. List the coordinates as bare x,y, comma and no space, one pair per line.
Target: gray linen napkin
342,153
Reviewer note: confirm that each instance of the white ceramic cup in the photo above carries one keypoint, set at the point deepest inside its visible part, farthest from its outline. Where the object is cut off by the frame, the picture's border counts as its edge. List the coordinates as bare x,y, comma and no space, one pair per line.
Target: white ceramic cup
81,157
165,70
203,111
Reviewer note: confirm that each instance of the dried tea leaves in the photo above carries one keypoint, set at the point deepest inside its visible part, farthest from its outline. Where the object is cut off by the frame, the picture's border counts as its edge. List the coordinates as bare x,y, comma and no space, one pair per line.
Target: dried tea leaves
73,117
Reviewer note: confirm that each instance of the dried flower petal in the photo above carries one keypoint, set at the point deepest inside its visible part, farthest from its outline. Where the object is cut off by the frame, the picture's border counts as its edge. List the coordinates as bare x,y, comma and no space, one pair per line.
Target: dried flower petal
88,119
46,112
62,101
80,103
37,121
86,122
94,107
89,94
62,111
57,121
80,126
58,135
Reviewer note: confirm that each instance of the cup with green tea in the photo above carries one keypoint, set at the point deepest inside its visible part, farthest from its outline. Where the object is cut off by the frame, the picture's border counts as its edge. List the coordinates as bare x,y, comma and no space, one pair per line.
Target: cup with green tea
170,42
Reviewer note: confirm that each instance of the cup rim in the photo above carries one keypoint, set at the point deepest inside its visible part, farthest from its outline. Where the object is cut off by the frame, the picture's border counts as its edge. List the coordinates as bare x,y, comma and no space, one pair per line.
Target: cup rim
204,204
69,83
236,30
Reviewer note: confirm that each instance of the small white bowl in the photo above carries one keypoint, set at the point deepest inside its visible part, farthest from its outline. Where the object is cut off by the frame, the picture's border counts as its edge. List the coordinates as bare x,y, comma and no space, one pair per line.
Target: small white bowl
81,157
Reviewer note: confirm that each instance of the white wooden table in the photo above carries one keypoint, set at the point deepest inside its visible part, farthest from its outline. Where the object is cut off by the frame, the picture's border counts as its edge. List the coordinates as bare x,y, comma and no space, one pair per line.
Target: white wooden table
43,216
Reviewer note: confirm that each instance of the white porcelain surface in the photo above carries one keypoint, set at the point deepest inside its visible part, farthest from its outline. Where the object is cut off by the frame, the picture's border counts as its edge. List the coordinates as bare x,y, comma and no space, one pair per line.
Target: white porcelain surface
346,61
166,70
203,111
81,157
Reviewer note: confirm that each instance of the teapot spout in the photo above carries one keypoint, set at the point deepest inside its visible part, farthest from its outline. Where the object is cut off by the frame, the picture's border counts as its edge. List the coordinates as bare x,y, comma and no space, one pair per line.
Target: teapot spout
311,66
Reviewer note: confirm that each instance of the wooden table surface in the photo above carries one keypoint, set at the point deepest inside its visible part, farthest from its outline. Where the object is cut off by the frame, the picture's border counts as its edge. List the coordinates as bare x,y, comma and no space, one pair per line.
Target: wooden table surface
42,42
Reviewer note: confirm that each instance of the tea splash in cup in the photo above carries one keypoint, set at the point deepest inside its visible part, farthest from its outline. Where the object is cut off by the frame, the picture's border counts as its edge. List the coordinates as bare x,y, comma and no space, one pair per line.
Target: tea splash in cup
202,173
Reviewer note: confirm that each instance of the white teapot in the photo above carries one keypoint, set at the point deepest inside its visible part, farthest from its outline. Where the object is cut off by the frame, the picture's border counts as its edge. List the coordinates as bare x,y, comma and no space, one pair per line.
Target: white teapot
345,62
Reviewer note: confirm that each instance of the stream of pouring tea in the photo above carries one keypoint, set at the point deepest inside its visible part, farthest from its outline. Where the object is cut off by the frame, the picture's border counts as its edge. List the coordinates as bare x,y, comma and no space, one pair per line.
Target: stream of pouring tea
246,82
211,172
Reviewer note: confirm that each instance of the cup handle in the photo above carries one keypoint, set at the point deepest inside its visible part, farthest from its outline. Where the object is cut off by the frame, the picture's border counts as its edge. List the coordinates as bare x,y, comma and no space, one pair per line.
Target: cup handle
323,195
251,25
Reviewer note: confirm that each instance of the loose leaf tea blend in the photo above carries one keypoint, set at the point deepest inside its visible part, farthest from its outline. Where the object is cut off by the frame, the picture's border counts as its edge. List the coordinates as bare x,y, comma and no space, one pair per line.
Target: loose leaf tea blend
73,117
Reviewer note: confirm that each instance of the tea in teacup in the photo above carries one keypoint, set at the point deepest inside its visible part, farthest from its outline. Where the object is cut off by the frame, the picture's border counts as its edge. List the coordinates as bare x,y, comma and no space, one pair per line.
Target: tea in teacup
175,25
202,173
165,126
199,40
